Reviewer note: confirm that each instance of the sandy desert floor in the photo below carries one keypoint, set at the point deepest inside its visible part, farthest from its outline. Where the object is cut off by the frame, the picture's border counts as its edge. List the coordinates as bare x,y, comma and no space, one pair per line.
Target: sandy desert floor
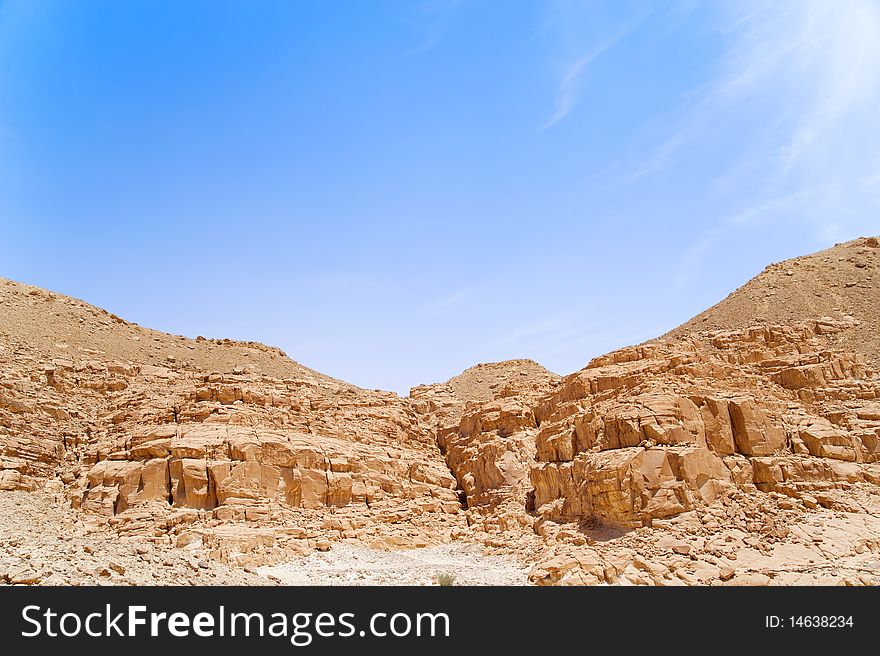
42,541
351,564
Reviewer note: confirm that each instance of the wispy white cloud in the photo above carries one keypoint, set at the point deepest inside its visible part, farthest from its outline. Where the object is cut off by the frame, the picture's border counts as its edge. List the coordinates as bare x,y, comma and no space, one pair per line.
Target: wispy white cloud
567,94
529,331
447,303
565,97
821,60
435,18
788,120
692,256
814,65
821,207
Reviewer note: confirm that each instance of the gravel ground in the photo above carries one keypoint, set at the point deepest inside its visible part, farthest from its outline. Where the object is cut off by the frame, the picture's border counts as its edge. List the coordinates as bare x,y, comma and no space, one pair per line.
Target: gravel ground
349,564
42,542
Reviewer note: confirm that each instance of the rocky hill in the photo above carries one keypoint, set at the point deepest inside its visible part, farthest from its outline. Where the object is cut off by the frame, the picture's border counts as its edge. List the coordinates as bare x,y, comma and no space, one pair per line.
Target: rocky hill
742,447
841,282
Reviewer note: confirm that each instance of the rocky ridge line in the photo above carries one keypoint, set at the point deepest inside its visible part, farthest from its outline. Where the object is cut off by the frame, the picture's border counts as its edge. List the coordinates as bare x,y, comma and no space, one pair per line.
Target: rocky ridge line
713,455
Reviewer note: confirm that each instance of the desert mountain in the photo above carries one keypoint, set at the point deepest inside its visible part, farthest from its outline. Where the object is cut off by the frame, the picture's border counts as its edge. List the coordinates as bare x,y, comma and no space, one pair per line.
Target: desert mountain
842,282
742,447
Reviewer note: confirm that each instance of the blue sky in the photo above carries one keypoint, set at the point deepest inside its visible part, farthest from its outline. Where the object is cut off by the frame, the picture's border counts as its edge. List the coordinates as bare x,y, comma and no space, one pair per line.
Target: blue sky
395,191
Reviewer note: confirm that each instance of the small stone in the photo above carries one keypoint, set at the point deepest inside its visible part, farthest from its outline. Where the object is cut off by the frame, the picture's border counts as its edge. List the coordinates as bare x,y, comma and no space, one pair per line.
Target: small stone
24,576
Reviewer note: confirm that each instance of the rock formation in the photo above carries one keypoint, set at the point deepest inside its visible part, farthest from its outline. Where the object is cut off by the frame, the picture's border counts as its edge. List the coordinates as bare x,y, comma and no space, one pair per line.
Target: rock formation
743,447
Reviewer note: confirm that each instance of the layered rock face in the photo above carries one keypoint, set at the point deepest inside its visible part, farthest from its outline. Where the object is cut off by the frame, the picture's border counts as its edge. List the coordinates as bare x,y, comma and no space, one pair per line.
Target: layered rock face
783,414
709,455
155,443
653,431
717,422
485,427
206,440
232,438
